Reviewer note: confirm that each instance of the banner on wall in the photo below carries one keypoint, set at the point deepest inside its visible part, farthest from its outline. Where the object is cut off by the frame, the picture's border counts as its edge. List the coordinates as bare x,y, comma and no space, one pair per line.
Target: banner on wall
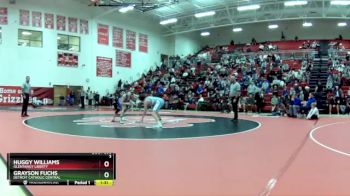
11,95
24,17
104,67
67,59
3,16
49,21
143,43
130,40
61,23
118,37
84,26
123,58
102,34
73,25
36,19
0,35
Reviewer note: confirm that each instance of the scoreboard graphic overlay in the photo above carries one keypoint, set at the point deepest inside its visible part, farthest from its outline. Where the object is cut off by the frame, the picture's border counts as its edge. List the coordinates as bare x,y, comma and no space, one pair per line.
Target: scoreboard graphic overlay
76,169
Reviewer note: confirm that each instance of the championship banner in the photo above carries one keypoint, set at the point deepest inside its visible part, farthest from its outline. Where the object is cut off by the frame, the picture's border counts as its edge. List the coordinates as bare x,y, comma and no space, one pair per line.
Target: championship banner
73,25
130,40
3,16
118,37
143,43
12,95
24,17
49,21
84,27
123,59
103,34
67,59
36,19
104,67
61,23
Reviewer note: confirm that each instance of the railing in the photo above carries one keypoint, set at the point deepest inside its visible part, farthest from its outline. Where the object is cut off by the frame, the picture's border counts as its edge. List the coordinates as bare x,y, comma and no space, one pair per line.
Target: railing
338,53
284,54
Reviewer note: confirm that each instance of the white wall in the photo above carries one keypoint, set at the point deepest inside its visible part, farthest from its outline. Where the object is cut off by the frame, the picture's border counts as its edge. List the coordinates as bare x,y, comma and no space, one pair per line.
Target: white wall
41,63
187,44
321,29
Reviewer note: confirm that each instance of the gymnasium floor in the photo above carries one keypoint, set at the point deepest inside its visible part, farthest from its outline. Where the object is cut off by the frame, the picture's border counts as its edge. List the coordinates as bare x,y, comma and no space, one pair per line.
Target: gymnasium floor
197,153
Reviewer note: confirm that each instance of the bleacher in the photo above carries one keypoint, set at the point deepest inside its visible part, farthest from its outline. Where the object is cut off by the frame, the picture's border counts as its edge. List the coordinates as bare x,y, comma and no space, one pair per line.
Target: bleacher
290,52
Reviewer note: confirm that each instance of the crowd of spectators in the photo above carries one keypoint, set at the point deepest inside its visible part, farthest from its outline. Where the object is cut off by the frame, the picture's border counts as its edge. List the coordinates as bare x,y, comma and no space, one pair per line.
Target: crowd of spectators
269,82
337,84
189,84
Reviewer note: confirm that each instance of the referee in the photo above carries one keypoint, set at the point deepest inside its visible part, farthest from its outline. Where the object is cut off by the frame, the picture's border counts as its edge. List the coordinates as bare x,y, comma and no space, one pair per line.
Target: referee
235,93
26,91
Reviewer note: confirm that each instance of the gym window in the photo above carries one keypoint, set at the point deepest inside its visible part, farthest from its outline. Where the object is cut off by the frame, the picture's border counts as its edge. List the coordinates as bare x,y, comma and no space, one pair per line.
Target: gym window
68,42
30,38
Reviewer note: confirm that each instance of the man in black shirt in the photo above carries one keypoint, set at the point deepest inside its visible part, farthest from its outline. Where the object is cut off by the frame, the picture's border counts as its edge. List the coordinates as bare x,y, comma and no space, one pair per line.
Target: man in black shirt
26,92
342,104
318,93
347,103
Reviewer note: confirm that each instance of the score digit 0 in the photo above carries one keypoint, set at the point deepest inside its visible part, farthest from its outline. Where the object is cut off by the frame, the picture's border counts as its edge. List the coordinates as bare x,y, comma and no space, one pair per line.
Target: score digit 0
106,163
106,174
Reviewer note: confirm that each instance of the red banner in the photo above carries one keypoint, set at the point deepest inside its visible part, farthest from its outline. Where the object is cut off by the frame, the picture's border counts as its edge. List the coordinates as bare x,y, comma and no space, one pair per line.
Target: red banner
103,34
143,43
130,40
104,67
73,25
61,23
3,16
118,37
67,59
24,17
49,21
11,95
84,26
36,19
123,59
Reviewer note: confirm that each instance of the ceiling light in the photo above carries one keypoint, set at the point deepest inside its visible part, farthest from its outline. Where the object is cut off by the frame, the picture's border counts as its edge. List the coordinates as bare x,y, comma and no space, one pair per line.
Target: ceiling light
294,3
273,26
26,33
307,24
248,7
205,34
204,14
126,9
342,24
238,29
168,21
340,2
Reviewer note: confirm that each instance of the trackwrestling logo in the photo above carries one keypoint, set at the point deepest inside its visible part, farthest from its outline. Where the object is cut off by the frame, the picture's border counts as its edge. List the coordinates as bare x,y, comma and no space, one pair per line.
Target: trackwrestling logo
149,122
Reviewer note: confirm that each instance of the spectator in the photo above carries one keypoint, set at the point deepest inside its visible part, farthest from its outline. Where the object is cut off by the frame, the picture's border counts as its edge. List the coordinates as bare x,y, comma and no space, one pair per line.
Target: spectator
296,105
259,101
82,98
275,103
307,104
348,105
318,91
199,102
313,113
199,90
329,85
342,104
250,103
